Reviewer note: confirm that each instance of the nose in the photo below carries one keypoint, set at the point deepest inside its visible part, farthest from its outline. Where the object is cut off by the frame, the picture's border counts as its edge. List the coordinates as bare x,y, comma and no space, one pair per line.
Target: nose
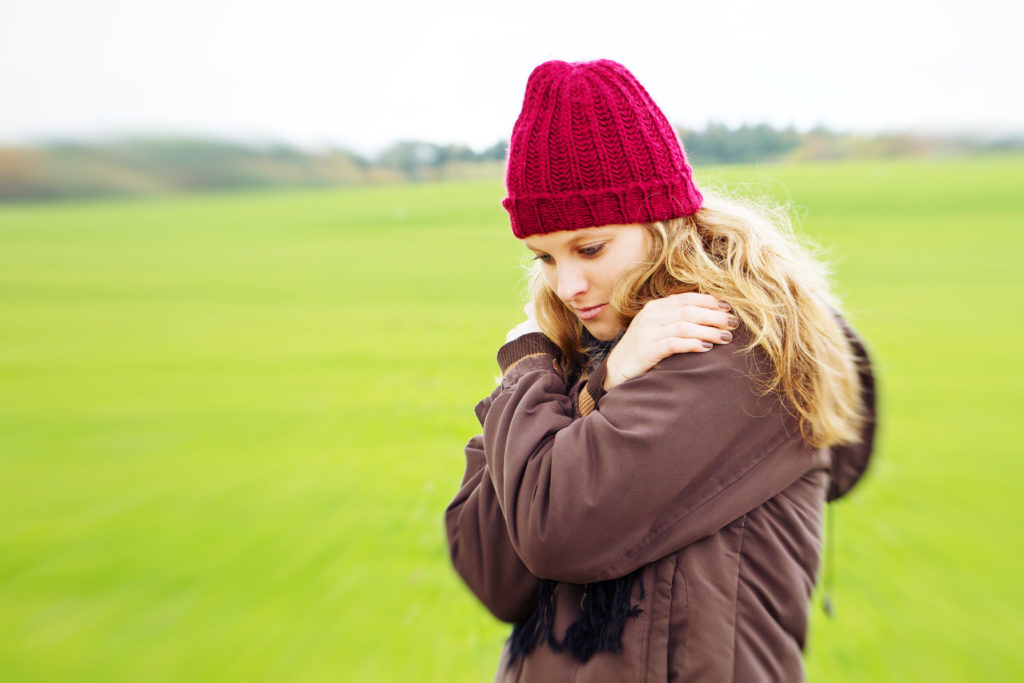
572,282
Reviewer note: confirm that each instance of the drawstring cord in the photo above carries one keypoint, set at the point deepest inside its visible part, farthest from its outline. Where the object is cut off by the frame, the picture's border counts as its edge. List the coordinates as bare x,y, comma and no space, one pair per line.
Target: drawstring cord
830,562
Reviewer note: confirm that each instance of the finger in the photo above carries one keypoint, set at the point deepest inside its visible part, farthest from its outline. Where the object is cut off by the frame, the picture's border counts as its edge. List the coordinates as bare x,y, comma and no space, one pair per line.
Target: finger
668,307
672,345
702,316
698,299
684,329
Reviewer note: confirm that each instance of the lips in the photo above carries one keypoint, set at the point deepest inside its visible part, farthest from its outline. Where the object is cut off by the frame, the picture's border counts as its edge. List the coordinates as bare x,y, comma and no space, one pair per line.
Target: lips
590,313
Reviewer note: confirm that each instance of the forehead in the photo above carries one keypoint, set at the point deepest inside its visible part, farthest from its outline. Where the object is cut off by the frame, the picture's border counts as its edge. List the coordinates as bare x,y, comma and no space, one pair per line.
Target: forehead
564,239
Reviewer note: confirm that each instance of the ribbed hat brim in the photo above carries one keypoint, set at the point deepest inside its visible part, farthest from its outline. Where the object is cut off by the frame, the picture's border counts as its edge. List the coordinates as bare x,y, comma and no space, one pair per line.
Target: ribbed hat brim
636,203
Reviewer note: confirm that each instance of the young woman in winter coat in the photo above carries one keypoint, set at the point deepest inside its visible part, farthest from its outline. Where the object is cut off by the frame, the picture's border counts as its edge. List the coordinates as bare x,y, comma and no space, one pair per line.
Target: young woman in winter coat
644,502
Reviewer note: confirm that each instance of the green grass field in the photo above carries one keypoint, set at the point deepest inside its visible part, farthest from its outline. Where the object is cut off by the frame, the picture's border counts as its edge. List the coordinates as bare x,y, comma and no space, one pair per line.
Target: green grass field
230,425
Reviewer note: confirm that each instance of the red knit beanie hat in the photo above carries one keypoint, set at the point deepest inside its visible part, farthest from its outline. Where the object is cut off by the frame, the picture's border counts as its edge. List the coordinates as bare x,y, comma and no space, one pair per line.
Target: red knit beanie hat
592,148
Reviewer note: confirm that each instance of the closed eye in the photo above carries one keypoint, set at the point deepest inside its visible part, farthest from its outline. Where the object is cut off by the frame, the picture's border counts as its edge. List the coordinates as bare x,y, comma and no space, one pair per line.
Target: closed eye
592,249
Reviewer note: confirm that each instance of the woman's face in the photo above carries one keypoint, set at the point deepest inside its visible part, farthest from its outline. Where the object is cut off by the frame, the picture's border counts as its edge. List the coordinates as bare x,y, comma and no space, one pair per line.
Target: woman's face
583,266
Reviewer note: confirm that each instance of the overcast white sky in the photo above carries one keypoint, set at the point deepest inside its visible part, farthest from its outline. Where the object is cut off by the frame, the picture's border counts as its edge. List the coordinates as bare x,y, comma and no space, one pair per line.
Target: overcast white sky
367,73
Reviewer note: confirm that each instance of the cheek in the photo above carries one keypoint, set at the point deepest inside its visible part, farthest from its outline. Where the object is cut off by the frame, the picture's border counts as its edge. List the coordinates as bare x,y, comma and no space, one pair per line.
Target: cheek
612,276
628,265
550,278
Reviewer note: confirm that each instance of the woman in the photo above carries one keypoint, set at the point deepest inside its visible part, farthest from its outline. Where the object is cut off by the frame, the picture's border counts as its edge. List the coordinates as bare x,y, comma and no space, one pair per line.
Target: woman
645,500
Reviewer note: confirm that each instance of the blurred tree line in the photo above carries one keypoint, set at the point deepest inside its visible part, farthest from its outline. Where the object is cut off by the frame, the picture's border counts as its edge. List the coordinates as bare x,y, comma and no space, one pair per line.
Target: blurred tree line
145,166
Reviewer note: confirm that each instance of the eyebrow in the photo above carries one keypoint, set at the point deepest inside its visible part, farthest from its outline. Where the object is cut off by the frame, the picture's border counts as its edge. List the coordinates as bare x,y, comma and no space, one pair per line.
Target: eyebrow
586,235
581,236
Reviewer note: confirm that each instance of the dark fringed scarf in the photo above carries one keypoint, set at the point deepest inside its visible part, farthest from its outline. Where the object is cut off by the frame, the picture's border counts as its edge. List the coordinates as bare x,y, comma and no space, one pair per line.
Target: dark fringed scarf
605,604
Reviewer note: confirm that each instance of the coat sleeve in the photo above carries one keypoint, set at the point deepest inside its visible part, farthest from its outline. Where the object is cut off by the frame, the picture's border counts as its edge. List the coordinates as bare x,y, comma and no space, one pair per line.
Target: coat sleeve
478,541
667,458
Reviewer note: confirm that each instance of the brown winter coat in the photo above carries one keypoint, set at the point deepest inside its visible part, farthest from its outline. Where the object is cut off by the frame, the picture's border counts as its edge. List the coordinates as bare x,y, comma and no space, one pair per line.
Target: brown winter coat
685,471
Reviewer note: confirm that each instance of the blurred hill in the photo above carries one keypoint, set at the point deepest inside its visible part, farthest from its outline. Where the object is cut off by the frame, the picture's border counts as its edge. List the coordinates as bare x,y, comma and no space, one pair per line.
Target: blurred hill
140,166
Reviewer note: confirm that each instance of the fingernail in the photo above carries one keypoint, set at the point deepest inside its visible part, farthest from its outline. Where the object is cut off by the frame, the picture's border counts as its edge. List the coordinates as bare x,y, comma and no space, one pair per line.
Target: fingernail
734,322
724,306
706,345
726,337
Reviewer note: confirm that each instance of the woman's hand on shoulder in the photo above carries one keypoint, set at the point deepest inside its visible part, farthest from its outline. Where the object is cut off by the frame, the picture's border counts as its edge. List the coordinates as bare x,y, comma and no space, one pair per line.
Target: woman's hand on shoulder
680,323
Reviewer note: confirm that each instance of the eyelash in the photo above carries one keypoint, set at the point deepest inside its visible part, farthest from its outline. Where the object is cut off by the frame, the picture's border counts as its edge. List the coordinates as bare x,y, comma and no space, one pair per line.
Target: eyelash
589,251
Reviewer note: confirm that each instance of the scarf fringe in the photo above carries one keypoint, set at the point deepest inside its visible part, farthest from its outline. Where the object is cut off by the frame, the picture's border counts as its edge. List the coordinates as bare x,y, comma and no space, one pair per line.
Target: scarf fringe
606,606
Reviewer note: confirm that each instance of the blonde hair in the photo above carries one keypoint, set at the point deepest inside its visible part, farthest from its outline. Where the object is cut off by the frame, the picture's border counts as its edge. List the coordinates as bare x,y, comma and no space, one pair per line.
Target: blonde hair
744,253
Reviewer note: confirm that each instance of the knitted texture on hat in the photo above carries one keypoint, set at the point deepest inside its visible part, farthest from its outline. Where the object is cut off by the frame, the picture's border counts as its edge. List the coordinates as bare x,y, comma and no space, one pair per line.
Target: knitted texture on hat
591,148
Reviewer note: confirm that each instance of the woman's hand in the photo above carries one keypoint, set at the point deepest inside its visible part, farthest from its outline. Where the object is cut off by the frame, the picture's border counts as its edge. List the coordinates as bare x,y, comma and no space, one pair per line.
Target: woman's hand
679,323
525,327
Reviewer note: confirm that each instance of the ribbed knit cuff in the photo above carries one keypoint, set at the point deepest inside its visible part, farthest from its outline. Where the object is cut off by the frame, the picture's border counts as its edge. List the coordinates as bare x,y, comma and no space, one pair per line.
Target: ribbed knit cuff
595,383
530,344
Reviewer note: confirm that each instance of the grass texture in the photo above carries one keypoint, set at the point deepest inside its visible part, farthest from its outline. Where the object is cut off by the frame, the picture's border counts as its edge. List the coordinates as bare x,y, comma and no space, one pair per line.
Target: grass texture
230,425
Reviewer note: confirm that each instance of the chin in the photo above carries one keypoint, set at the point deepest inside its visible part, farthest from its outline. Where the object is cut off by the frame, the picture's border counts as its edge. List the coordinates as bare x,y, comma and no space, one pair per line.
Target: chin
602,332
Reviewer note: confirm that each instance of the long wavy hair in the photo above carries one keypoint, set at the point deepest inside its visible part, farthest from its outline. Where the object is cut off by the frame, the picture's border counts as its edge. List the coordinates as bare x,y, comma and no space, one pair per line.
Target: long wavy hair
743,252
